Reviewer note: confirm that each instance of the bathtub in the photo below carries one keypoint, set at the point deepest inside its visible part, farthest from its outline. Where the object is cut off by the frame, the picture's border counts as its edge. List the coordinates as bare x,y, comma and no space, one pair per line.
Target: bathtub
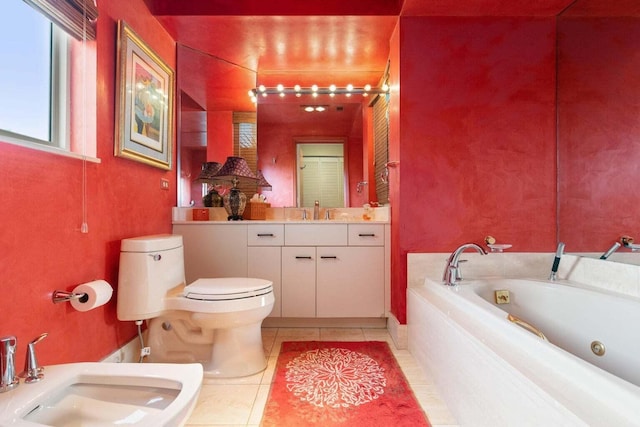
493,372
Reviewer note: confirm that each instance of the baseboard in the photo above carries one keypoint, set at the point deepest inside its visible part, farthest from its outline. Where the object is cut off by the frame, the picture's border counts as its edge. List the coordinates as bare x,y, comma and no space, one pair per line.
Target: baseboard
128,353
312,322
399,333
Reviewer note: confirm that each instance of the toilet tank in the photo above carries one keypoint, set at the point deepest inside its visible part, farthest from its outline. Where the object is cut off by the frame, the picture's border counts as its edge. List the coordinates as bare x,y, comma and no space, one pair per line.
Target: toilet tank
150,266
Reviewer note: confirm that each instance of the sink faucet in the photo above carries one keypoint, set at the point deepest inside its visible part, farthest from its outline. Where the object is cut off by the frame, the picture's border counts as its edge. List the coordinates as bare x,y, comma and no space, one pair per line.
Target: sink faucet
452,271
8,379
316,210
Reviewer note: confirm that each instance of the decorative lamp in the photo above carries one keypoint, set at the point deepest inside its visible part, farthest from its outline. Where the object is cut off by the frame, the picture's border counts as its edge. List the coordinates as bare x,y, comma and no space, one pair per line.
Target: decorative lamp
235,169
262,182
209,169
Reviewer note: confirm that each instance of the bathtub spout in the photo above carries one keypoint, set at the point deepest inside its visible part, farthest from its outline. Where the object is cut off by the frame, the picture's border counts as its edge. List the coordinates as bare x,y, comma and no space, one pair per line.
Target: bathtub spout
556,262
611,250
452,271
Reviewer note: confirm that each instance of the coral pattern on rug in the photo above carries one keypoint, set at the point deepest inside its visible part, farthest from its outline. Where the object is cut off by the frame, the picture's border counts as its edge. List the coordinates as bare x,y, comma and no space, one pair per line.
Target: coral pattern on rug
340,384
335,377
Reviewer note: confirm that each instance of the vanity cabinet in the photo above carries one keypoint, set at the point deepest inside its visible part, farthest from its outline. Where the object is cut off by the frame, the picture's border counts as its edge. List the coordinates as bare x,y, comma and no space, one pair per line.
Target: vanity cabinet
318,270
265,258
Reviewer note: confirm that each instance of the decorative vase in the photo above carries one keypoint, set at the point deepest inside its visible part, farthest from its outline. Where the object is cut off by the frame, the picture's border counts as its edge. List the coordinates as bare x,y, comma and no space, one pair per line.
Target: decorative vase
212,199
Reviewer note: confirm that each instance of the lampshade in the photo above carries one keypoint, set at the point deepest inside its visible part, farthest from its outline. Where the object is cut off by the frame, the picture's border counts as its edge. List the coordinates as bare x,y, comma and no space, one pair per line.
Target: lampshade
235,167
209,169
262,182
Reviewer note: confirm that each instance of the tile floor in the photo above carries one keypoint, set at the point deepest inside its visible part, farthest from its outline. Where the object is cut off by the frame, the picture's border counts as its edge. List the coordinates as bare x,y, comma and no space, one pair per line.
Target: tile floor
240,401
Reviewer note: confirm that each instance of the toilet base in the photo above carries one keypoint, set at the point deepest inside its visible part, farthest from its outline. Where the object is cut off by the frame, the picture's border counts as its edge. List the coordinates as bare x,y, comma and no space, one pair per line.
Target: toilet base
228,352
237,352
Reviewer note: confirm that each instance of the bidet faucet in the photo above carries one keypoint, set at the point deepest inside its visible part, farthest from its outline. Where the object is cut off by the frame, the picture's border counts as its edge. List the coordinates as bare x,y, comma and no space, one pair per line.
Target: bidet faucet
452,271
32,371
8,379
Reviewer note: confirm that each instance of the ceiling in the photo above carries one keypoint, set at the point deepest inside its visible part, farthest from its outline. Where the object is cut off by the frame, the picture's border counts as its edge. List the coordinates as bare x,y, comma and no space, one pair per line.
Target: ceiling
250,42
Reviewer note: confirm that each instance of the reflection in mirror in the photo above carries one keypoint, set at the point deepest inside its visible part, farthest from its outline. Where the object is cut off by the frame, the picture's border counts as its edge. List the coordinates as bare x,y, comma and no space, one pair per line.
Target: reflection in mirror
212,92
283,123
599,126
320,174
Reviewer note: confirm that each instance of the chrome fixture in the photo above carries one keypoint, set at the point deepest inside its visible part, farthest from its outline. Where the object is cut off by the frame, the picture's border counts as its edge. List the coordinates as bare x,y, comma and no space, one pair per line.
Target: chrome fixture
315,91
316,210
611,250
627,242
360,186
327,214
32,371
556,262
452,272
8,379
304,215
64,296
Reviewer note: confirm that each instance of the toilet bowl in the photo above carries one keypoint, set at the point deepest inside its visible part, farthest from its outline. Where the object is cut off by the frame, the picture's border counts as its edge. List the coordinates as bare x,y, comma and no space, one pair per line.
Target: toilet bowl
214,321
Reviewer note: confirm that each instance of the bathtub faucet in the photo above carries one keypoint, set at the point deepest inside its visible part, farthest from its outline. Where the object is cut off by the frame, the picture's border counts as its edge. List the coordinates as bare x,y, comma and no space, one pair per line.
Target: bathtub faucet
452,271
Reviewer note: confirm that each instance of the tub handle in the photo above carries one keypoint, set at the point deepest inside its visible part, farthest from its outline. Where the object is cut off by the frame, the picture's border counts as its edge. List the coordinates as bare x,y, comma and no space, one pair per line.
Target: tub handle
528,326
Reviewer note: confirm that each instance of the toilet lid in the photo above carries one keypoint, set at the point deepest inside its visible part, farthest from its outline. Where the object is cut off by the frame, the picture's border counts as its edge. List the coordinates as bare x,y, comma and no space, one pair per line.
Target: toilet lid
227,288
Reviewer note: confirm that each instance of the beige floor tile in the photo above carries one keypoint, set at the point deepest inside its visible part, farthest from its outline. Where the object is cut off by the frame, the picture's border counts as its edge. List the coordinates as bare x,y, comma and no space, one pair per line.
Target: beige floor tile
433,405
224,404
298,334
341,334
259,405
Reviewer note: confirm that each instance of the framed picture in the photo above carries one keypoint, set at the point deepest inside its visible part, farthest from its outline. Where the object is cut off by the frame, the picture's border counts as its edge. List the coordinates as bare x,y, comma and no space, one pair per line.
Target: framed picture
144,102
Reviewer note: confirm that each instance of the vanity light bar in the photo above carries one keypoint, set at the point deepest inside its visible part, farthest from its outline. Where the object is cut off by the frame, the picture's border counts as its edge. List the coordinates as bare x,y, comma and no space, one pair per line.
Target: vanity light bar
315,91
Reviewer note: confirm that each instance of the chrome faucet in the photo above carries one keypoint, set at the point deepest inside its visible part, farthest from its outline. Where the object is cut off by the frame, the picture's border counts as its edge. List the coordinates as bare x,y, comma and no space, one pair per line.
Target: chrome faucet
556,262
316,210
32,371
8,380
452,272
304,214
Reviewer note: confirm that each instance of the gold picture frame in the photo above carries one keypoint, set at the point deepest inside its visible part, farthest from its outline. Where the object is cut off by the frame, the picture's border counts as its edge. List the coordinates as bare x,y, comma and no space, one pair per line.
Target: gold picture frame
144,102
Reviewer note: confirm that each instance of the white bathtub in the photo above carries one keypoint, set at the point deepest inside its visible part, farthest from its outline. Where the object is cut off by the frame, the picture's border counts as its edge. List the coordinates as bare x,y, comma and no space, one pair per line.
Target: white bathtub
492,372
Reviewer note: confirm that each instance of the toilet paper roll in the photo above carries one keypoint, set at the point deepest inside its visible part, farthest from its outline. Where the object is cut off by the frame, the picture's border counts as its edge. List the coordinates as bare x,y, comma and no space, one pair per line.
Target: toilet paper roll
97,293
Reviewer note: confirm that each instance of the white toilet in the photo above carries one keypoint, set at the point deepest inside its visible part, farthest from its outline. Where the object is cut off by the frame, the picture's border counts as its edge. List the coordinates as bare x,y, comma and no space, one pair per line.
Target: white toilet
216,322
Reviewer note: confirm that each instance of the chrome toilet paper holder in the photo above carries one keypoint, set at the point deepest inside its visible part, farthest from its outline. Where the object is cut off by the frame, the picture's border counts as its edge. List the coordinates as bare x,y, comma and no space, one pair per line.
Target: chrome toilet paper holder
64,296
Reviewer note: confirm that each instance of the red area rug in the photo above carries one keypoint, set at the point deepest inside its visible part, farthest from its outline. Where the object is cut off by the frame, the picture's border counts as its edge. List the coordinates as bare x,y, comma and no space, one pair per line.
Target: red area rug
340,384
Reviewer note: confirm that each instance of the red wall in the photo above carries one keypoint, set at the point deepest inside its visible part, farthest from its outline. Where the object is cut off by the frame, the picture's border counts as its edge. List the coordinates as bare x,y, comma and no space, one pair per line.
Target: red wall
599,121
43,249
475,137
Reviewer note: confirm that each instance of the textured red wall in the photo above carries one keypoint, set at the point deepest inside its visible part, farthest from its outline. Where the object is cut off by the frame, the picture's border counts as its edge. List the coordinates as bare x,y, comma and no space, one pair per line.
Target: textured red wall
477,131
599,123
41,214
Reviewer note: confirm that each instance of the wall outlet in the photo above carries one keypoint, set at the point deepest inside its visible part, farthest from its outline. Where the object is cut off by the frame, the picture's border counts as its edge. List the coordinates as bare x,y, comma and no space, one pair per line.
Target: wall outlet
164,183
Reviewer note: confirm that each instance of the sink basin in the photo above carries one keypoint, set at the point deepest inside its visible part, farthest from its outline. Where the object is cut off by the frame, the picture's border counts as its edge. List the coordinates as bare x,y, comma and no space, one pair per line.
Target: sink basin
105,394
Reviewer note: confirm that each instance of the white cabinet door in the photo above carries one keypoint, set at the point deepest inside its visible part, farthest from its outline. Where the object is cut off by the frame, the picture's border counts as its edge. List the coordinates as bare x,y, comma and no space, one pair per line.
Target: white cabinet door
350,282
212,250
298,281
265,262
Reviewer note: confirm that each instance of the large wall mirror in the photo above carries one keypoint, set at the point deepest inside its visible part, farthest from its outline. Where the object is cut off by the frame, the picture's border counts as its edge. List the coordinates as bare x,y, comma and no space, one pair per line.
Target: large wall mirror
598,110
598,124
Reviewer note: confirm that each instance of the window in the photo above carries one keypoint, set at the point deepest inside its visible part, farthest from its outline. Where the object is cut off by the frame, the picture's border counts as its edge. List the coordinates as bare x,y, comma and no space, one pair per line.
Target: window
245,145
48,76
33,78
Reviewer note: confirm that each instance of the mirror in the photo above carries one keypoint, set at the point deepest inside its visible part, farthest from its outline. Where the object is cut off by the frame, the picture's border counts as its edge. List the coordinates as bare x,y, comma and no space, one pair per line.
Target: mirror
283,124
598,124
210,90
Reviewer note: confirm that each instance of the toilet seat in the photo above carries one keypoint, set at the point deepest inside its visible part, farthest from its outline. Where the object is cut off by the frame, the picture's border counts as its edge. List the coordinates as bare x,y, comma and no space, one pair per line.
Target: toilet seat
227,288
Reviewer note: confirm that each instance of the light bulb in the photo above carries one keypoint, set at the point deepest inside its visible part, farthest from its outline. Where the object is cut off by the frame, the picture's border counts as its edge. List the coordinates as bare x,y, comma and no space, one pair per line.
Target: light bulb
280,87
